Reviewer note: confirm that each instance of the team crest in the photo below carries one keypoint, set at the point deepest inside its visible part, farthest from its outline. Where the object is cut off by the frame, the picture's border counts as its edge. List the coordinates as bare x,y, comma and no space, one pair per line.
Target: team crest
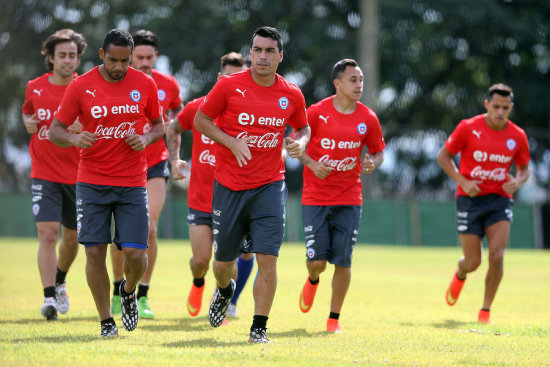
511,144
310,253
135,95
35,209
362,128
283,103
78,227
162,95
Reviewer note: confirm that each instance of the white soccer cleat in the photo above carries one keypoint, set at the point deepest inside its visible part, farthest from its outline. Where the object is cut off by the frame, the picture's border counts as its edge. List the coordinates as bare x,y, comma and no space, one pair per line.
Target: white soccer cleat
62,298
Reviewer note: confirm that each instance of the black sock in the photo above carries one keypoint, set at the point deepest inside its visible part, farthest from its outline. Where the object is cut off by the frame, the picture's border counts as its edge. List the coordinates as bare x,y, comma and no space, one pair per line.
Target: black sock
226,292
116,287
259,322
313,282
124,293
60,277
110,320
198,282
486,310
142,290
49,292
334,315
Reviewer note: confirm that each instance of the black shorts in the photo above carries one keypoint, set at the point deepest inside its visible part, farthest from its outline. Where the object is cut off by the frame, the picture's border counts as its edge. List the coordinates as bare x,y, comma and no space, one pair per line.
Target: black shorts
158,170
54,202
97,204
259,212
474,215
197,217
331,232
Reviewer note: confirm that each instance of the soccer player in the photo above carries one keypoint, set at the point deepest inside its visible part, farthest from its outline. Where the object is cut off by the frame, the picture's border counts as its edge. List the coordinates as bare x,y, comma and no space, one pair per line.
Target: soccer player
341,127
112,101
251,109
53,169
144,57
199,196
488,144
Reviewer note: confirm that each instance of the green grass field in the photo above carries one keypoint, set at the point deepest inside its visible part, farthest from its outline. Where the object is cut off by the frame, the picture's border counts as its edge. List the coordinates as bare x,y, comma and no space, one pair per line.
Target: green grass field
394,315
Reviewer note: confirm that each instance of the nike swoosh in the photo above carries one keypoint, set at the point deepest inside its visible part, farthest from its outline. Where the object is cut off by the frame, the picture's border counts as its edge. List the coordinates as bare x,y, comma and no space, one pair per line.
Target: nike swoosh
303,306
191,309
450,299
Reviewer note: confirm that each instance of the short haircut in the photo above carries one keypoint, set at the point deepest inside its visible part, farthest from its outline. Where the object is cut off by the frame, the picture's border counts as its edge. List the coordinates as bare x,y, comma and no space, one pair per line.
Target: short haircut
62,35
500,89
340,67
268,32
145,38
117,37
233,59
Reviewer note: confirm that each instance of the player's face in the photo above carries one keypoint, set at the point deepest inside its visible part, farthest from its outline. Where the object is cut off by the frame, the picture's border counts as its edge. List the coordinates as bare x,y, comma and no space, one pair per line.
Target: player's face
144,58
65,59
350,83
498,110
265,55
116,61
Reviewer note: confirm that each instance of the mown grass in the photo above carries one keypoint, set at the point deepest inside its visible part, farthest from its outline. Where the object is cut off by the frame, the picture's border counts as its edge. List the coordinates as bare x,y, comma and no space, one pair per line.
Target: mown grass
394,315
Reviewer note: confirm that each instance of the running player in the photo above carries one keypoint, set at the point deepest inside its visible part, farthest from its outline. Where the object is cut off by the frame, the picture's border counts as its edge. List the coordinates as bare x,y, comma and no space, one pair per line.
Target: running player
53,169
143,58
252,109
112,101
488,144
341,127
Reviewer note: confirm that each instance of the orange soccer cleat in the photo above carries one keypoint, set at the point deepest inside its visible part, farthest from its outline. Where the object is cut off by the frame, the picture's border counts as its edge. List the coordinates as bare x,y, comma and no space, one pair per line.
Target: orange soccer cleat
454,289
194,300
333,326
484,316
307,296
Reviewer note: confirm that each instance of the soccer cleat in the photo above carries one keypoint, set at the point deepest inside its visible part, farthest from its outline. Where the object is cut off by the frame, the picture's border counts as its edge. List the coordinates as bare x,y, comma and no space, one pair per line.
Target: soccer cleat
194,300
225,322
49,309
232,310
219,305
257,335
115,305
484,317
454,289
61,298
109,330
128,308
144,308
307,296
333,326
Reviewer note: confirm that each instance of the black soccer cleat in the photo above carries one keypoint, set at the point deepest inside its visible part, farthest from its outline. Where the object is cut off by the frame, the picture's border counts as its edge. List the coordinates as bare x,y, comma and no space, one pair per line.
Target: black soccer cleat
219,305
129,308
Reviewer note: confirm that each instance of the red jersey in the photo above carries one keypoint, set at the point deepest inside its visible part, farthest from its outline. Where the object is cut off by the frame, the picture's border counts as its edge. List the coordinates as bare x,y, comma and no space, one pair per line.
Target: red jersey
338,139
487,154
203,161
169,98
242,108
112,111
48,161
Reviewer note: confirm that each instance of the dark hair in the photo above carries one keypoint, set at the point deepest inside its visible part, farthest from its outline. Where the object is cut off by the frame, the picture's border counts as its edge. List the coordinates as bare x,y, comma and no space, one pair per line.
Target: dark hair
341,66
500,89
268,32
145,38
117,37
233,59
62,35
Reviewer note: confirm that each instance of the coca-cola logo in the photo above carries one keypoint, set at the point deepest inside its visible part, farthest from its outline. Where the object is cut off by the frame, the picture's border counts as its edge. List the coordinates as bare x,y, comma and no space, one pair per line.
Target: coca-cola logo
115,132
266,141
43,133
497,174
341,165
207,158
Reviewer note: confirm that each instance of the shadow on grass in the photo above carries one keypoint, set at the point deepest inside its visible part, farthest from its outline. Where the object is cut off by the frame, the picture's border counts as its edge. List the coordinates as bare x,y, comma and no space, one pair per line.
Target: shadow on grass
61,339
194,324
450,324
41,319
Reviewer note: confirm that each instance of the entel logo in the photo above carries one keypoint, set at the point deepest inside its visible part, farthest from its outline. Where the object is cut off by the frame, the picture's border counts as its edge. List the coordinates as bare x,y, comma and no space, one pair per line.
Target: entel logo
101,111
43,114
246,119
327,143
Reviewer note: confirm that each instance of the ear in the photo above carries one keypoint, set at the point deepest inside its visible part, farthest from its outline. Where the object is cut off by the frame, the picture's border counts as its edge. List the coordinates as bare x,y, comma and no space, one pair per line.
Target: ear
337,84
486,105
101,53
280,56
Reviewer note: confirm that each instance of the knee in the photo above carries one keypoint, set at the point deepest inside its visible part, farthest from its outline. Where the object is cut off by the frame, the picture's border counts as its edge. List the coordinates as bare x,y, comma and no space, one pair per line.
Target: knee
201,263
135,256
48,236
496,257
471,264
316,266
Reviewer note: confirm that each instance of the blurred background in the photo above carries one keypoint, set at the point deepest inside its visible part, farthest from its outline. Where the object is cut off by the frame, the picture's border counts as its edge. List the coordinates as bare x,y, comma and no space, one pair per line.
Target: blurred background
427,65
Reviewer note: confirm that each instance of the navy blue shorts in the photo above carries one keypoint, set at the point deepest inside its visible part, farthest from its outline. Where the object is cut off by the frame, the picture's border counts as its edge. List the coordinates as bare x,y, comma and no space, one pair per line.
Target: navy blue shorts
259,212
474,215
97,204
197,217
54,202
331,232
158,170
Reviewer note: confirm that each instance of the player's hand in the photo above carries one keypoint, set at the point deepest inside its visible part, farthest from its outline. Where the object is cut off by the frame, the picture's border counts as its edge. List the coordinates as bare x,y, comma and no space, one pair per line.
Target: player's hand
178,169
471,188
295,148
368,164
31,123
320,169
240,150
137,142
83,140
510,186
75,128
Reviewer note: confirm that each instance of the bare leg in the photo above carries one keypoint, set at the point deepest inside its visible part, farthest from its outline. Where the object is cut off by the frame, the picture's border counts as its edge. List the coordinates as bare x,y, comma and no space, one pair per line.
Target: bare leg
135,264
201,246
472,247
340,286
68,249
497,239
48,233
315,268
156,192
223,271
265,284
98,278
117,259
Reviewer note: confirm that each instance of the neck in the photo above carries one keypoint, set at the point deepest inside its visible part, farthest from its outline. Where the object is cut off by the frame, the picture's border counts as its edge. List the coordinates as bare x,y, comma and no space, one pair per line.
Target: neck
57,79
344,105
493,125
263,80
